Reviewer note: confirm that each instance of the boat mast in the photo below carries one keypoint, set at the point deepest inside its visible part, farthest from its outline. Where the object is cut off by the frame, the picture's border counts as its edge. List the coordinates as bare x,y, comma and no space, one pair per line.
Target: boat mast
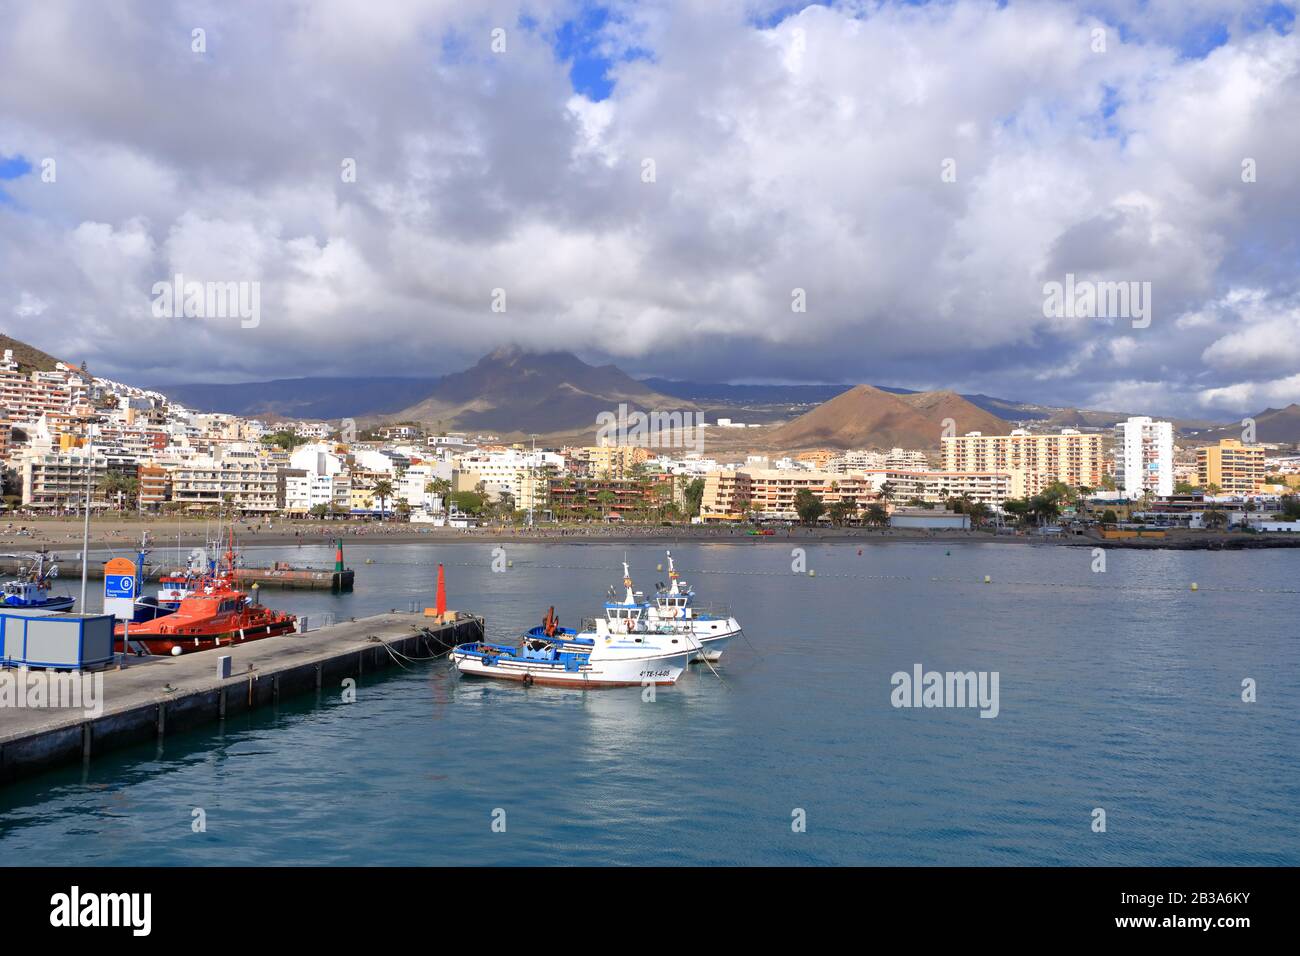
85,531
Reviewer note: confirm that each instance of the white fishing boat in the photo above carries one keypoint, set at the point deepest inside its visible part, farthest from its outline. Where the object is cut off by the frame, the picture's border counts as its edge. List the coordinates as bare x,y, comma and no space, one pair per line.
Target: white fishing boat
621,649
713,627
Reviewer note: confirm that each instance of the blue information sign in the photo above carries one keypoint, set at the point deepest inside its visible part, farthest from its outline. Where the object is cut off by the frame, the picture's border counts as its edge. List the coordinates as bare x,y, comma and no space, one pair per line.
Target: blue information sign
119,586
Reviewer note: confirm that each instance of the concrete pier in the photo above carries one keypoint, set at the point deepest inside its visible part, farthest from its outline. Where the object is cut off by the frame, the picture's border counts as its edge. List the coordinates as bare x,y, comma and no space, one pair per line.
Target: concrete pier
155,696
280,576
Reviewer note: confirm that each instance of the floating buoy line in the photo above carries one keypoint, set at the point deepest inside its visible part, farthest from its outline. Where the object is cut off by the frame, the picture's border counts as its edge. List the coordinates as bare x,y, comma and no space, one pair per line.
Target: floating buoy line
986,579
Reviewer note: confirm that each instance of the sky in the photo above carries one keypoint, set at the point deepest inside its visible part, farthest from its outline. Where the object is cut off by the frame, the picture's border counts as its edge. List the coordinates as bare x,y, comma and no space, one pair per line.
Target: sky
716,190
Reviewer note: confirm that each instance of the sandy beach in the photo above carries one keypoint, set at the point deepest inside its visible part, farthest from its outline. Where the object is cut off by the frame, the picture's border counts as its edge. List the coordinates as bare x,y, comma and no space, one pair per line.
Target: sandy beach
62,535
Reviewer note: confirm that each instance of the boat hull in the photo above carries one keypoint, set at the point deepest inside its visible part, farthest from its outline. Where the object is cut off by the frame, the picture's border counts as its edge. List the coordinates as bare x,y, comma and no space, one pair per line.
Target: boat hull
167,645
629,672
53,606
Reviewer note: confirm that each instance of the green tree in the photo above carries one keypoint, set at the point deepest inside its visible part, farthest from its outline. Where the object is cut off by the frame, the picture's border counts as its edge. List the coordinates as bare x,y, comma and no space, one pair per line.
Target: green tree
467,502
606,501
284,439
1215,519
808,506
694,495
842,511
121,488
876,515
383,491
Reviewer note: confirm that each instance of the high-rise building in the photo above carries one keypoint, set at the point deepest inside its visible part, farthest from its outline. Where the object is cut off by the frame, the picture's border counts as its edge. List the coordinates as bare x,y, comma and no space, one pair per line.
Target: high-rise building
1144,457
1236,469
1033,461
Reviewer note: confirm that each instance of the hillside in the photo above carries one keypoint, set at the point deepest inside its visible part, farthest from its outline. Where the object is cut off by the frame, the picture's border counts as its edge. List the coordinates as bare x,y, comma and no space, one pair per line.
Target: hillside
512,391
865,417
1280,425
30,358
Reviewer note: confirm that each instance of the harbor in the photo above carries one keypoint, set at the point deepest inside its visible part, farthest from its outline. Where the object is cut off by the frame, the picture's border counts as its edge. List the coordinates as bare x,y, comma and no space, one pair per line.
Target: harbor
155,696
708,770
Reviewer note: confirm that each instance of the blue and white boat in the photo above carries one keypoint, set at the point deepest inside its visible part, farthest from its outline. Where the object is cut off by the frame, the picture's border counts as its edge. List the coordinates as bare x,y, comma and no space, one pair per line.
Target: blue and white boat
29,594
618,650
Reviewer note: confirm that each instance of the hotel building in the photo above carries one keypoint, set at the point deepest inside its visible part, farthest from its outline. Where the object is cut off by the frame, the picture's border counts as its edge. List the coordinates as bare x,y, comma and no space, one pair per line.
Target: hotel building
1032,461
1235,468
1144,457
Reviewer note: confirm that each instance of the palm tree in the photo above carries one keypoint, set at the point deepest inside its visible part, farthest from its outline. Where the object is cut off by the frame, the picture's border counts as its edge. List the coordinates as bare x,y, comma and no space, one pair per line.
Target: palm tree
121,486
877,515
605,499
1214,518
887,492
383,490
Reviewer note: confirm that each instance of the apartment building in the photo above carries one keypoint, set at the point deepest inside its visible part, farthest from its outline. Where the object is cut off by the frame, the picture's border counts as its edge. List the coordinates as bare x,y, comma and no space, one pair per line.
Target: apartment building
1033,461
521,474
240,478
1235,468
57,480
991,488
570,498
606,461
155,486
1144,457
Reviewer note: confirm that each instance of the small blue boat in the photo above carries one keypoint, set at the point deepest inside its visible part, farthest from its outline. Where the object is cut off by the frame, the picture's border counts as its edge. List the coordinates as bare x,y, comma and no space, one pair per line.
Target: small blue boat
30,592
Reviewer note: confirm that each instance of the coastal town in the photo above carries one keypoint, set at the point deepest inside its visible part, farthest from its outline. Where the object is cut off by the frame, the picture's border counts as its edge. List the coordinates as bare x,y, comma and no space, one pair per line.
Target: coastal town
69,438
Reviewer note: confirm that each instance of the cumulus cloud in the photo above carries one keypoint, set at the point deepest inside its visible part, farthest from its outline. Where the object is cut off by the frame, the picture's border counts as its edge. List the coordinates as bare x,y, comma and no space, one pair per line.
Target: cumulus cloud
920,171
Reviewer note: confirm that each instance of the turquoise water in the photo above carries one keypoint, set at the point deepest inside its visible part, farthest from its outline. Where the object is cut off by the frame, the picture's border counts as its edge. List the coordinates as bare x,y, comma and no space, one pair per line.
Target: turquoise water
1119,690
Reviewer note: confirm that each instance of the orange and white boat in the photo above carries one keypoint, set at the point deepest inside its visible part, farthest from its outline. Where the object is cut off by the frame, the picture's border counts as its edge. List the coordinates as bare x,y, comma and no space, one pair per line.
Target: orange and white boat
214,614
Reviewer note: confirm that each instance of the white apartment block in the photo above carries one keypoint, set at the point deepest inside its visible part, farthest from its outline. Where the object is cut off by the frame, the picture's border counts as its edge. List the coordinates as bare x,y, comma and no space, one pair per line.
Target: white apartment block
242,477
57,480
1144,457
521,474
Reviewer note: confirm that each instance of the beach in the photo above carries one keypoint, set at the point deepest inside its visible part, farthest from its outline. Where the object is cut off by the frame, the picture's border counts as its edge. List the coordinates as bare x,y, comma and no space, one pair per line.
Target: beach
124,533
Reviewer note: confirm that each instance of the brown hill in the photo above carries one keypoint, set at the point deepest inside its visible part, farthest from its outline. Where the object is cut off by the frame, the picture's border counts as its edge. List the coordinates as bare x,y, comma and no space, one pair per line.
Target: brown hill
866,417
966,416
29,357
1281,425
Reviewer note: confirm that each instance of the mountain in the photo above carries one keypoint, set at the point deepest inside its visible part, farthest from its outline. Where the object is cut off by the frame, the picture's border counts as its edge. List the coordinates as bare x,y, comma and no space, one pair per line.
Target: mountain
513,391
705,392
30,358
314,398
865,416
1280,425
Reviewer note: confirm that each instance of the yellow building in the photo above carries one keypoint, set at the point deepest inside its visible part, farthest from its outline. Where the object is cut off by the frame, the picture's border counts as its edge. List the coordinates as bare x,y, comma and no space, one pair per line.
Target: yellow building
1033,461
610,461
1235,468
